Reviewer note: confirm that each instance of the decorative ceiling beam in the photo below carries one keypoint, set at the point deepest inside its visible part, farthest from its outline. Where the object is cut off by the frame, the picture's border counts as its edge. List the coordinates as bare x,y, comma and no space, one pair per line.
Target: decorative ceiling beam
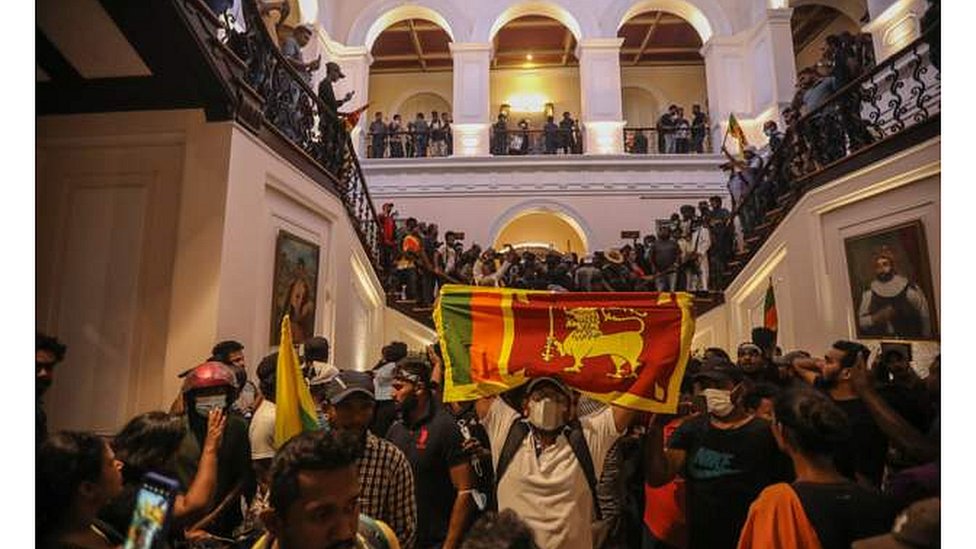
416,45
661,49
567,43
647,37
428,56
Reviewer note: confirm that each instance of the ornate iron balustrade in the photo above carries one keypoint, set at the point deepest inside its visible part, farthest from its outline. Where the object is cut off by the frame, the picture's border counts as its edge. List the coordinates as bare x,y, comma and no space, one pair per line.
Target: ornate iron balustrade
864,118
299,115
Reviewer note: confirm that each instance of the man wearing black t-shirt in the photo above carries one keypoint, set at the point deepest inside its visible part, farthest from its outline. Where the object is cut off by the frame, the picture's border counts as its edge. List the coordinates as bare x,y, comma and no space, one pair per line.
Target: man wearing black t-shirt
863,459
726,456
430,438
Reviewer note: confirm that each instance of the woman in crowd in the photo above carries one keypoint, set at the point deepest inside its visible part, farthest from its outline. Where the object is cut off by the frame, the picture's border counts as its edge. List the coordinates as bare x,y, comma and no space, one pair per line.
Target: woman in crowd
76,475
149,443
822,508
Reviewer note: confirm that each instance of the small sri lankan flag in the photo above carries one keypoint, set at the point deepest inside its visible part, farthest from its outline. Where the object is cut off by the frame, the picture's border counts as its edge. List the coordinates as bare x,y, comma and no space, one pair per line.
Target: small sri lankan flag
628,349
735,130
294,407
770,318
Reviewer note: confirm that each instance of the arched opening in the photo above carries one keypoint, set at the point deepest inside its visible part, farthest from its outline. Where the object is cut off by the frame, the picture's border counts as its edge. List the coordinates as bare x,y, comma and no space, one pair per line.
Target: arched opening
540,230
663,48
811,24
421,102
534,79
411,74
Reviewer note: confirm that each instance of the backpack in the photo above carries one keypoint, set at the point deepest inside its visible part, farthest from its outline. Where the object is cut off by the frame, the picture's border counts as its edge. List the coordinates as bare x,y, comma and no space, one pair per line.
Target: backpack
574,434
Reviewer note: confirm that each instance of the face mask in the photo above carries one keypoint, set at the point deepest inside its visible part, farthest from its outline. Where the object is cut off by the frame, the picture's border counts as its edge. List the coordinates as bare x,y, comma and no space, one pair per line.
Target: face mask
204,404
546,414
718,402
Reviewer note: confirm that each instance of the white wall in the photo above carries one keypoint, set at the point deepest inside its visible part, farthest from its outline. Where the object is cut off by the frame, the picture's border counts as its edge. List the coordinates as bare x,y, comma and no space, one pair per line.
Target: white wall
155,239
806,260
604,196
112,214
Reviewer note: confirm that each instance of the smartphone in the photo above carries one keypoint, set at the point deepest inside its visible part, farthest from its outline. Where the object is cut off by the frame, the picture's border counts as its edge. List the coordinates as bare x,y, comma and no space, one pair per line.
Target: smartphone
154,506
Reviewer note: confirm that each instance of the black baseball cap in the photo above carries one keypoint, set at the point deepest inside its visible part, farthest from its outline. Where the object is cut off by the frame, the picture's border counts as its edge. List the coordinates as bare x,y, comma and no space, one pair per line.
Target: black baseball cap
349,382
536,381
718,370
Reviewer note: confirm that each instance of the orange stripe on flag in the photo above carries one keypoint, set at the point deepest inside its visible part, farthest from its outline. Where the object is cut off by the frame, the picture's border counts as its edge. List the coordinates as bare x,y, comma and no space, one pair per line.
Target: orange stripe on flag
487,334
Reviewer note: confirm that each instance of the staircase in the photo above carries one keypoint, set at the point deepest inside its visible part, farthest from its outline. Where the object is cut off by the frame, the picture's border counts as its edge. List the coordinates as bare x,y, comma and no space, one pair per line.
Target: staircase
890,108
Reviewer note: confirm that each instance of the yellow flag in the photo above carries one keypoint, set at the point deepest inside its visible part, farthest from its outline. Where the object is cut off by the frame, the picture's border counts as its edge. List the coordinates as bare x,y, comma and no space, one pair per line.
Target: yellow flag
294,407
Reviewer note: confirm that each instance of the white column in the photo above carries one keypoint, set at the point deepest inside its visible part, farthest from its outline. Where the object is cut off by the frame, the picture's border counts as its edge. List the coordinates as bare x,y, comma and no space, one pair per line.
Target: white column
600,95
781,58
472,121
897,25
727,88
752,75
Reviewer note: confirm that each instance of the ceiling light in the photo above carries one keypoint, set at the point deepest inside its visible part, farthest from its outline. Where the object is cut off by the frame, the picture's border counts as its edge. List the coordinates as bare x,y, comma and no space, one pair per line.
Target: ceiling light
528,57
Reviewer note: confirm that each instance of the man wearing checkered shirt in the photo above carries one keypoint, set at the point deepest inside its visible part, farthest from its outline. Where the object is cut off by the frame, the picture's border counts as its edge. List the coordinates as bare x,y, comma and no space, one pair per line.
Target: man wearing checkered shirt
385,477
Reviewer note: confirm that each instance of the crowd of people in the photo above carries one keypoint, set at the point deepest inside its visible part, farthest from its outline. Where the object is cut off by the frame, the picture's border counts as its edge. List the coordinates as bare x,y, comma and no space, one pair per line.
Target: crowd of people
563,137
675,133
766,450
819,134
419,138
688,252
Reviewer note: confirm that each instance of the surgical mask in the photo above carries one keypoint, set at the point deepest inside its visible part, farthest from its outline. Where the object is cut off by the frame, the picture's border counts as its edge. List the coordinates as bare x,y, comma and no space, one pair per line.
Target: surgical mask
204,404
718,402
546,414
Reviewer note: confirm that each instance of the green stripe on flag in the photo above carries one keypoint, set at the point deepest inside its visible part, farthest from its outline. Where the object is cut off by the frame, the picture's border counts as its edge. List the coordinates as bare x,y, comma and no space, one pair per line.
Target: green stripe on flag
456,317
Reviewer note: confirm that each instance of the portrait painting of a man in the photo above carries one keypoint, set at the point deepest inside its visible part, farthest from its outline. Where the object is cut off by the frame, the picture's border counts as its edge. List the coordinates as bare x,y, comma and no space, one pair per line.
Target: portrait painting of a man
295,281
891,284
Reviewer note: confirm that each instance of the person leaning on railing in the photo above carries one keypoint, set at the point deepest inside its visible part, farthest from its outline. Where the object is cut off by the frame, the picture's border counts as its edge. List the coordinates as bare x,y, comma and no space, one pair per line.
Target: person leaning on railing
377,134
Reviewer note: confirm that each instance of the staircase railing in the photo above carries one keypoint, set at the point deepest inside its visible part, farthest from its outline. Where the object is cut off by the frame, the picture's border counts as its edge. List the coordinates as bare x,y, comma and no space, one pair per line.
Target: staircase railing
296,113
869,114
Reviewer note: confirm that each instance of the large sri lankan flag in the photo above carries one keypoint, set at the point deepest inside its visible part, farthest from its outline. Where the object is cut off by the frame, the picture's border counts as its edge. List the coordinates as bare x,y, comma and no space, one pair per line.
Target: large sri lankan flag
628,349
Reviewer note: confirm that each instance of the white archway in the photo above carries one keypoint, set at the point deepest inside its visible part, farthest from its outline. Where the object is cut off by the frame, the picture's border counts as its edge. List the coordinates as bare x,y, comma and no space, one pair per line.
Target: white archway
706,16
436,102
375,19
854,9
563,213
580,24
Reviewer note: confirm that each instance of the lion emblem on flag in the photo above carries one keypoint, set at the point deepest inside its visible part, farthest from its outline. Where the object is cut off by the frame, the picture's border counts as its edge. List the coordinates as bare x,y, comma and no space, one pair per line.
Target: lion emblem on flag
587,340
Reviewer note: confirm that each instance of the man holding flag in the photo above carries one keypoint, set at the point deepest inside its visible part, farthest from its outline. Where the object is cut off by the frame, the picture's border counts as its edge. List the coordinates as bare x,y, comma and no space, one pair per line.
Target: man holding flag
628,350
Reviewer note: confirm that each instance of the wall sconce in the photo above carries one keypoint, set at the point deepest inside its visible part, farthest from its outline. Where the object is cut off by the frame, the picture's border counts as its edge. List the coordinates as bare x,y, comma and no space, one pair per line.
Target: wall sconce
505,109
550,109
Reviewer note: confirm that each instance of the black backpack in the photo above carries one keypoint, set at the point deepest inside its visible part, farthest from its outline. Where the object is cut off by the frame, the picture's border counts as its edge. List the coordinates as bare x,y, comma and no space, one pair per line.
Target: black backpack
574,434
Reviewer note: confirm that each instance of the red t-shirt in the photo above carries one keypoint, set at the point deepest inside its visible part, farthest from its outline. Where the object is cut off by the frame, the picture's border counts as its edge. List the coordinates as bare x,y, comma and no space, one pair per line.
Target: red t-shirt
664,507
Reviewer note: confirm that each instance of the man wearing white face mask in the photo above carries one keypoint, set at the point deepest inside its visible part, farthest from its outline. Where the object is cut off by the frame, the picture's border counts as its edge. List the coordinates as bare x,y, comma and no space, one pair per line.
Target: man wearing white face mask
547,461
727,457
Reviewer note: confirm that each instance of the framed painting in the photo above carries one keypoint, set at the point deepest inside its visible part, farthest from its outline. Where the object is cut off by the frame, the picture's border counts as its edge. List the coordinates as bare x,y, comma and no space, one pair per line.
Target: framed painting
296,276
891,284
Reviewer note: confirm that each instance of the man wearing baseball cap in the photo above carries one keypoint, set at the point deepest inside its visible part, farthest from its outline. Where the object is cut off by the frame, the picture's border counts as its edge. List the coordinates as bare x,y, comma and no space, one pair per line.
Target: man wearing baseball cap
544,452
919,527
726,456
385,478
432,441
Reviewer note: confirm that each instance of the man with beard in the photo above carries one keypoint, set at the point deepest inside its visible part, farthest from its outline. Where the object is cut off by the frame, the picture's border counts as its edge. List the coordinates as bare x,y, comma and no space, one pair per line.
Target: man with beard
315,498
893,306
863,459
754,366
48,352
385,478
430,438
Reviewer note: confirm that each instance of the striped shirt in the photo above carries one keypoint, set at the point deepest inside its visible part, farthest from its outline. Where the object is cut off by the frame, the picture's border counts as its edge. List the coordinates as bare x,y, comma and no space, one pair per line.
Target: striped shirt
387,489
